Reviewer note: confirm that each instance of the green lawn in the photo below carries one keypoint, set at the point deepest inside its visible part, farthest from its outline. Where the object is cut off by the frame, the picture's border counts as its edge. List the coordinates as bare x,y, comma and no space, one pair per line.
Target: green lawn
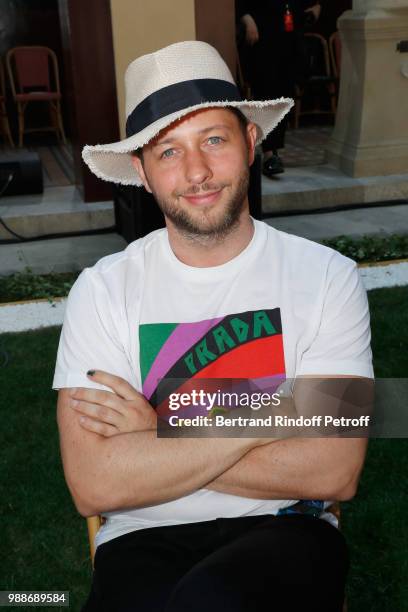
44,540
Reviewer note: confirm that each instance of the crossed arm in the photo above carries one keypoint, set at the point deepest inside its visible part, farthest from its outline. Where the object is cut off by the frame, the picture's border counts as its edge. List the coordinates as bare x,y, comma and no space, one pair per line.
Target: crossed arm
113,459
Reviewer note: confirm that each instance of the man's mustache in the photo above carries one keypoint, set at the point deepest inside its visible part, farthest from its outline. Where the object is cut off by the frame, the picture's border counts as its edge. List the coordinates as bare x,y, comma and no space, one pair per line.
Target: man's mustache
195,189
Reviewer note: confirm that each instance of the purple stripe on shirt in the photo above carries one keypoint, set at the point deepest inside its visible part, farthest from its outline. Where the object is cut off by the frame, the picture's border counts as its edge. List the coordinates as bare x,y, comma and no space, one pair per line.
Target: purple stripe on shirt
179,342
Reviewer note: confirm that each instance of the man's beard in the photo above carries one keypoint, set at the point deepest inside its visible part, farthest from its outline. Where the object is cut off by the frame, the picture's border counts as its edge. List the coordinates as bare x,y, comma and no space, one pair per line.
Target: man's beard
200,225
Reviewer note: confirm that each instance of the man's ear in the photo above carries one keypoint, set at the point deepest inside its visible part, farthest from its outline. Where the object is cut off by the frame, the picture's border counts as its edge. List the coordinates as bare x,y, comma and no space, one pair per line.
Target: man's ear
137,163
251,140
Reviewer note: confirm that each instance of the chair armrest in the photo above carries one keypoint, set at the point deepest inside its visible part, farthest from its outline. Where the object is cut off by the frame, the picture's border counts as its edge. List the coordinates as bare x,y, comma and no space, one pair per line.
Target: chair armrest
93,523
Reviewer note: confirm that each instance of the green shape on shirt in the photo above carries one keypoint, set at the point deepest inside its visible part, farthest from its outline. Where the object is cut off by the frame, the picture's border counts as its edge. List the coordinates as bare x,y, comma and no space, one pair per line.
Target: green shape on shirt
152,336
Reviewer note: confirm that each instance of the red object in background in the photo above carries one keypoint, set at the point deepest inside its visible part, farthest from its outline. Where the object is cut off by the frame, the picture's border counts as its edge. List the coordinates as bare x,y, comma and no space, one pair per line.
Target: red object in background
288,20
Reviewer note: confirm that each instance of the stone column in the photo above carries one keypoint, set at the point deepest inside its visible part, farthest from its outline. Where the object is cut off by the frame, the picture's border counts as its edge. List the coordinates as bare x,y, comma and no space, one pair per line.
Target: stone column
371,132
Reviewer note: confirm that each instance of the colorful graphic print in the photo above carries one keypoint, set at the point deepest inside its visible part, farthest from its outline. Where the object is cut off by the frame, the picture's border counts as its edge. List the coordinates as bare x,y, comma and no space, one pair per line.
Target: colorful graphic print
246,347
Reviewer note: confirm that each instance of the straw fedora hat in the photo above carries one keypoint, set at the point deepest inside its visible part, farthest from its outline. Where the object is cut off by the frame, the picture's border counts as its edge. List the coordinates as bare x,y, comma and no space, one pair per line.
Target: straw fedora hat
164,86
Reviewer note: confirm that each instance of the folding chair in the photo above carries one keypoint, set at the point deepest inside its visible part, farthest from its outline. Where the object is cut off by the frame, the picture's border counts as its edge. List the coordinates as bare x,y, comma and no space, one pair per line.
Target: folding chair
34,77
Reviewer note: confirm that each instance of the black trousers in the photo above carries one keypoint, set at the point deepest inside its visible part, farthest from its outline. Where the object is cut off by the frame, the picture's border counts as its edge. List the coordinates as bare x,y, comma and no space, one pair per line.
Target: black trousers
245,564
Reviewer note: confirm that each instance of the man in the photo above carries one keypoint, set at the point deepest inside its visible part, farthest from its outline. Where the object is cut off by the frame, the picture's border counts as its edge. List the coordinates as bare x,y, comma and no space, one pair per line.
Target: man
211,522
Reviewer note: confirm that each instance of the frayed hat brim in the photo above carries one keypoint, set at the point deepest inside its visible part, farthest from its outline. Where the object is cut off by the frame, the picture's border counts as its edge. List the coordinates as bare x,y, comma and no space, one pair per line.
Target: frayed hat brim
113,161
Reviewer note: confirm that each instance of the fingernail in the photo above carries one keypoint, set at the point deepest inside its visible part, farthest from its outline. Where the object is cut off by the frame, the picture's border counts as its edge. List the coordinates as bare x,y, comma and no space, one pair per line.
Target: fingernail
90,372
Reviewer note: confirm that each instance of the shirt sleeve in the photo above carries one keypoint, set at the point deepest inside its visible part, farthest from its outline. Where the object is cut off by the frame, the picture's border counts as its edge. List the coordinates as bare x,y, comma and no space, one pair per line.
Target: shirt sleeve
89,337
342,342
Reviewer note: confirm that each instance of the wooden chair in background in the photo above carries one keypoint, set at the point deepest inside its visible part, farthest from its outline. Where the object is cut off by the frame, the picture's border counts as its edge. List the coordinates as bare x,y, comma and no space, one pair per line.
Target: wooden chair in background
4,122
320,78
335,53
34,77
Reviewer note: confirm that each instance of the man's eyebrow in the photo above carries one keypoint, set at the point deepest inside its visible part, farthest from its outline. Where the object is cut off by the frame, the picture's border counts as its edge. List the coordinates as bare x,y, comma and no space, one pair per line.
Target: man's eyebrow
203,131
215,127
162,142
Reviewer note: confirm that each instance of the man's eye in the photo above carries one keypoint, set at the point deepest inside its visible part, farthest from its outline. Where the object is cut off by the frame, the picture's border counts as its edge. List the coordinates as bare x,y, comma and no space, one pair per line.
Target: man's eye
215,140
167,153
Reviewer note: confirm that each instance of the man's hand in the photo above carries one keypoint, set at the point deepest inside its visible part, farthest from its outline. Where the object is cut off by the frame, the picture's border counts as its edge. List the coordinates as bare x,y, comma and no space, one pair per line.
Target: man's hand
108,414
316,9
251,30
107,472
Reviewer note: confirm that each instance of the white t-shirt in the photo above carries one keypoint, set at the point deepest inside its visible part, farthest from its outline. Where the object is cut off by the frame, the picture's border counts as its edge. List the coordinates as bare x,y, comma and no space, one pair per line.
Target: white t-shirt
142,314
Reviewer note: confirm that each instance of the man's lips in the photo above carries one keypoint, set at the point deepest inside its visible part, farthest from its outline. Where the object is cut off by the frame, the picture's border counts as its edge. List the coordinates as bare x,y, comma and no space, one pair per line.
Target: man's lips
203,198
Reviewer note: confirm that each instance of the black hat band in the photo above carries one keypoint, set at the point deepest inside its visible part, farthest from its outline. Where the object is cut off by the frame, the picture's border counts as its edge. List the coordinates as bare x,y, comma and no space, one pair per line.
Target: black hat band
177,97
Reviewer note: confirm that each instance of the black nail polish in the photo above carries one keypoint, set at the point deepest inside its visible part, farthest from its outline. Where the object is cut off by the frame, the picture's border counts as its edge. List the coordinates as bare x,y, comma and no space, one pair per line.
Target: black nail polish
90,372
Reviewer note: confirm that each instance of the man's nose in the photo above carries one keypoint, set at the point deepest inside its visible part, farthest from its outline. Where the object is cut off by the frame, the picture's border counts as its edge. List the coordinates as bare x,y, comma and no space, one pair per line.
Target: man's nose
197,168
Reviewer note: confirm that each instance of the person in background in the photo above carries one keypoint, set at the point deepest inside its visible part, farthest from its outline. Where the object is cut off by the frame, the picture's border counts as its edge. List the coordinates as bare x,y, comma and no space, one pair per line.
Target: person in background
330,13
274,58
